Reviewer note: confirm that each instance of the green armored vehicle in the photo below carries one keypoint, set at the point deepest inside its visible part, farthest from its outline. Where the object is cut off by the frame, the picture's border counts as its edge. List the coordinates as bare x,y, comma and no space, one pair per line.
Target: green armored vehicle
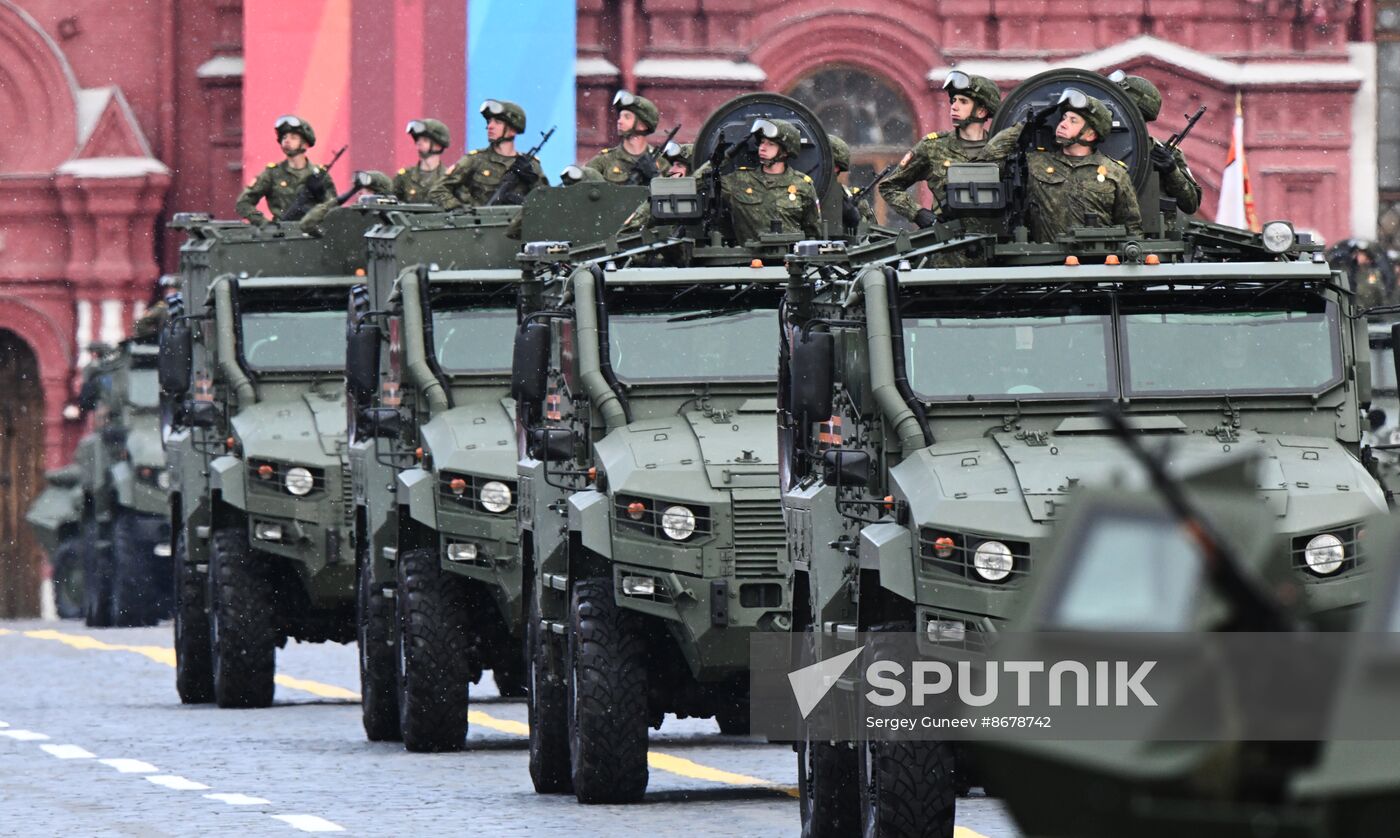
252,371
649,498
122,475
937,420
433,454
56,517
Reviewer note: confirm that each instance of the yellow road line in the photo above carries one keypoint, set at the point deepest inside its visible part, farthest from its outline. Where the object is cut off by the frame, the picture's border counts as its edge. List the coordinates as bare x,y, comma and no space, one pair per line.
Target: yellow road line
964,832
4,632
662,762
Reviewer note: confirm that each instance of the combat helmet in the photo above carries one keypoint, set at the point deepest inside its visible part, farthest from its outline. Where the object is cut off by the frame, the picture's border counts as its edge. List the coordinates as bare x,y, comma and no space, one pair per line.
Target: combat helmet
374,182
980,89
840,153
430,128
579,174
675,152
646,111
292,124
1143,93
780,131
1094,112
507,112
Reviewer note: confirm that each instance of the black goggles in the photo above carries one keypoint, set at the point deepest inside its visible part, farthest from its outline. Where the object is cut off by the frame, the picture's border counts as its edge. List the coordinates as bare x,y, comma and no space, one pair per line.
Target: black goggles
765,128
287,123
957,81
624,99
491,108
416,127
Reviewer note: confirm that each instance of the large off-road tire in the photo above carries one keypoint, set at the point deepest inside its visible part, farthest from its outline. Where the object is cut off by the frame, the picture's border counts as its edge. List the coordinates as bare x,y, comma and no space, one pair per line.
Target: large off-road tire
379,690
607,697
243,629
828,799
547,701
907,789
194,667
433,660
66,571
97,576
135,589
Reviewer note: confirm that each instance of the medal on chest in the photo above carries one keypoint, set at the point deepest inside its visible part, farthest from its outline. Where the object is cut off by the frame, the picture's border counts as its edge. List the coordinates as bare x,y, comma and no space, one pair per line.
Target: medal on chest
1101,172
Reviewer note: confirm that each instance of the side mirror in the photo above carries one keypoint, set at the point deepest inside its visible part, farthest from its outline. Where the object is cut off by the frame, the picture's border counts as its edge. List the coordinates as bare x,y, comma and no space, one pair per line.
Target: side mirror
176,357
551,444
201,414
381,422
810,376
529,374
362,346
845,467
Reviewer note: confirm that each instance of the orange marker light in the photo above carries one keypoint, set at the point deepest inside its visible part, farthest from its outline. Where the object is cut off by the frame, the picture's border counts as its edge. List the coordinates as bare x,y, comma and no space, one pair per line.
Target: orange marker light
1152,259
592,475
418,454
359,272
943,547
1111,259
889,502
264,471
757,263
635,510
458,485
228,443
1072,261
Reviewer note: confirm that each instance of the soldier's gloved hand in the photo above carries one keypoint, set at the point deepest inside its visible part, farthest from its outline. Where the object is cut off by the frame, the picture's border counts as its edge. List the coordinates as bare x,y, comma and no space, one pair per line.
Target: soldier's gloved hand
643,171
1162,159
259,220
924,218
850,213
524,174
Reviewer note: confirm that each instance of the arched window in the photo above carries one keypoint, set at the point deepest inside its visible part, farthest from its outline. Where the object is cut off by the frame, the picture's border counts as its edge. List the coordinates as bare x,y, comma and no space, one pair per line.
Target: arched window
864,110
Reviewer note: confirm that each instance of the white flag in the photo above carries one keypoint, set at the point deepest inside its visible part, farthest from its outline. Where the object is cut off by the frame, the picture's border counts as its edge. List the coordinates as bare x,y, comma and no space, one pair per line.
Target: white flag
1236,207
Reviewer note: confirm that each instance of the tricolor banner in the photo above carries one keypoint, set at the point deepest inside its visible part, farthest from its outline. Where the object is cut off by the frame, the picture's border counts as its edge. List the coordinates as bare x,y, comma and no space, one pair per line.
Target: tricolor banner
1236,207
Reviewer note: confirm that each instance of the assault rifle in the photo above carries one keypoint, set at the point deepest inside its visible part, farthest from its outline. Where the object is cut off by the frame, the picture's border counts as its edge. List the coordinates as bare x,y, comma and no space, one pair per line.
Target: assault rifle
1019,172
1176,138
519,174
312,191
642,172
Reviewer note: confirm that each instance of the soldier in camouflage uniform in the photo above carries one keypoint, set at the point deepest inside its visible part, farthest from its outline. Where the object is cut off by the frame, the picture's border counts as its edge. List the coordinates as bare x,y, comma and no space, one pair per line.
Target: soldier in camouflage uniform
773,192
1175,176
972,101
1073,185
852,211
472,180
677,157
280,182
149,324
629,161
579,174
375,183
412,184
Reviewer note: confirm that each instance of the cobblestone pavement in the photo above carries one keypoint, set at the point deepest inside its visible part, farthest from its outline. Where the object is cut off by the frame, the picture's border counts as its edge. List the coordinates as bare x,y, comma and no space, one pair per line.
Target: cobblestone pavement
94,741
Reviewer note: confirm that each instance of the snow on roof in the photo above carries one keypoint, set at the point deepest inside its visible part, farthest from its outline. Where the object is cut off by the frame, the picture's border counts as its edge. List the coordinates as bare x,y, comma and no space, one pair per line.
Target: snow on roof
221,67
710,69
594,67
1233,73
113,167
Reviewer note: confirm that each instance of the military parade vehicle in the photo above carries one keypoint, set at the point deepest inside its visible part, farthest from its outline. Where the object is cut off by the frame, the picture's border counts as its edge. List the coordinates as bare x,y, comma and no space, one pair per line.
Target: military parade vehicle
649,506
252,373
56,517
433,455
125,542
937,419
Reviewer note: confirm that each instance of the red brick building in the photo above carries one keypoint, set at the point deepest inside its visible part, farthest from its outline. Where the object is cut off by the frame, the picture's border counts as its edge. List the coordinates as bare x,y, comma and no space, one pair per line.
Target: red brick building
119,112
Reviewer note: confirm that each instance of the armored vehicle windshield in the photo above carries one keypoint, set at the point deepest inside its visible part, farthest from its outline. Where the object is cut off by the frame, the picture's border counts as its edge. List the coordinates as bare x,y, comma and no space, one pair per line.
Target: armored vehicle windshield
652,340
472,327
292,334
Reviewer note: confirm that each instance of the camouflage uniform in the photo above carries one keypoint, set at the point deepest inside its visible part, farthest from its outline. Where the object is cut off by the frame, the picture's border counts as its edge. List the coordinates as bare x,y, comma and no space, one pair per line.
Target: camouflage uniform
615,164
278,185
756,199
1090,191
928,161
1370,286
1175,176
375,183
853,211
412,184
471,181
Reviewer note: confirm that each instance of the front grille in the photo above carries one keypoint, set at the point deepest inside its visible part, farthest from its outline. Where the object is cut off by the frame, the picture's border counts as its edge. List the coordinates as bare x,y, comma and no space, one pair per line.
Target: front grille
1349,536
759,540
962,552
469,498
275,481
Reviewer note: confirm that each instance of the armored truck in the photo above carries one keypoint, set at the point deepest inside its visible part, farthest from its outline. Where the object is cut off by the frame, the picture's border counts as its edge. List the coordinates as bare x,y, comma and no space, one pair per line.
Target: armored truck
252,374
937,420
649,498
122,475
56,517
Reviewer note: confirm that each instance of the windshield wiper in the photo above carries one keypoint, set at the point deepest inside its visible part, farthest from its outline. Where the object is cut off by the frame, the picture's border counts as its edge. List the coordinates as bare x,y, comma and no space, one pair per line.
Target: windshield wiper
705,315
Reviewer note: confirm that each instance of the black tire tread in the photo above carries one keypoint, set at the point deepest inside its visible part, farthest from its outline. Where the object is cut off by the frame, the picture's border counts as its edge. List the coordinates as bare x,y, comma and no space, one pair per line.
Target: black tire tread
194,669
548,712
379,692
134,587
245,643
918,796
434,661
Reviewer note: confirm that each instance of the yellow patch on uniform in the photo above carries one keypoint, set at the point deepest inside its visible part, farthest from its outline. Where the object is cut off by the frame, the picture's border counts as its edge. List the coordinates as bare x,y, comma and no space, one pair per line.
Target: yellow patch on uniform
947,163
807,178
616,169
932,136
403,171
1049,170
748,190
472,152
1119,162
282,183
792,187
272,165
1102,170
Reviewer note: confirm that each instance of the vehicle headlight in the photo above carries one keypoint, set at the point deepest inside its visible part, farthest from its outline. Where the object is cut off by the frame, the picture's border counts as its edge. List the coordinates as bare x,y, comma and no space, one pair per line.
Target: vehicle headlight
163,480
678,522
992,561
298,481
495,496
1324,554
1278,236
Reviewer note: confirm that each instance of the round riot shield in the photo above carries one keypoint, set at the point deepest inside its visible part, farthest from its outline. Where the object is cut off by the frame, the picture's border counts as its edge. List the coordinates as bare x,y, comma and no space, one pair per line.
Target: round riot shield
1129,140
728,129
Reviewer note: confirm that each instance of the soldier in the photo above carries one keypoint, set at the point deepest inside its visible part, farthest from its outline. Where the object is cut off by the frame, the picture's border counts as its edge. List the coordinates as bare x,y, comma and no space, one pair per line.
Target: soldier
630,161
472,180
279,183
149,324
411,185
972,101
757,198
579,174
1073,185
852,210
1175,176
677,157
375,183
